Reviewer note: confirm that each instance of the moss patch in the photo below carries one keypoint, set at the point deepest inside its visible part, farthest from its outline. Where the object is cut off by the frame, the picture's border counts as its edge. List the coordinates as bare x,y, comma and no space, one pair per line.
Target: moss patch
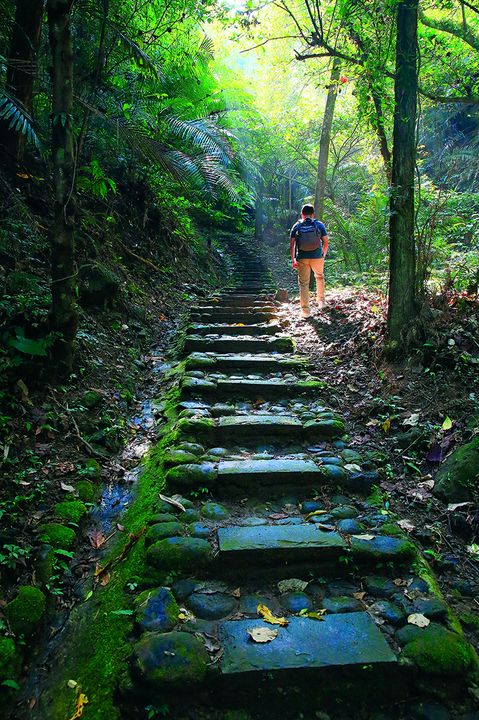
58,536
26,611
9,659
70,511
87,491
438,651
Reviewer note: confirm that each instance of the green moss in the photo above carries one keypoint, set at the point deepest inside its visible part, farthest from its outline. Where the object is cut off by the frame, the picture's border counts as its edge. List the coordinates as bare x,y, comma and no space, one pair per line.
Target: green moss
191,475
311,384
25,612
439,651
179,554
457,477
70,511
390,529
173,658
163,530
58,536
91,399
9,659
470,620
87,491
93,469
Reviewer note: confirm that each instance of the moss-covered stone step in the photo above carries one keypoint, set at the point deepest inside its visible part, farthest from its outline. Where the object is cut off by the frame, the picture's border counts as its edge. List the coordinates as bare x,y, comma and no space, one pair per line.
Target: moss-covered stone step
284,547
271,328
240,301
251,473
244,388
248,317
345,641
262,362
214,308
230,343
240,427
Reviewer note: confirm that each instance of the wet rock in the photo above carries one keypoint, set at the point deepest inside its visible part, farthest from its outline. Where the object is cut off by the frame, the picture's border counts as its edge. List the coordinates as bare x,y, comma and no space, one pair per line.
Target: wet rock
211,606
215,511
191,475
156,610
253,521
294,602
322,519
311,506
169,659
351,526
324,428
419,585
334,474
389,611
341,604
87,491
193,448
179,553
466,588
162,518
379,586
199,530
222,410
407,634
178,457
340,587
340,500
427,711
438,651
345,512
189,515
248,604
351,456
459,473
25,612
162,530
91,399
290,521
362,482
183,588
433,608
331,460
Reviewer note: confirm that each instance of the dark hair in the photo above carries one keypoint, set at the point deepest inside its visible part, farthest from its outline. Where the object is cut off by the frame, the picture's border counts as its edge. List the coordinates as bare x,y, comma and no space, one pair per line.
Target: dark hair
307,210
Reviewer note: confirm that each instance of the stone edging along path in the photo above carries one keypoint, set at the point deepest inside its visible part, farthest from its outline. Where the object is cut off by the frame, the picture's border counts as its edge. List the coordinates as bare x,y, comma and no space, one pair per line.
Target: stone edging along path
296,593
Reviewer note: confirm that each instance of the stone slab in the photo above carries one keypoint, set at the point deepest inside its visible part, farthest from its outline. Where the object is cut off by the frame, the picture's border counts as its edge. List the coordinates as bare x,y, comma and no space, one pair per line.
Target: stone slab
229,343
270,538
267,471
241,426
273,363
225,316
339,641
218,329
268,388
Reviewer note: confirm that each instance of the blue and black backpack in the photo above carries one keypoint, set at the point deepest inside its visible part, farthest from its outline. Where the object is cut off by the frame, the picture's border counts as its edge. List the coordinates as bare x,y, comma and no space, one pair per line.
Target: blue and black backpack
308,235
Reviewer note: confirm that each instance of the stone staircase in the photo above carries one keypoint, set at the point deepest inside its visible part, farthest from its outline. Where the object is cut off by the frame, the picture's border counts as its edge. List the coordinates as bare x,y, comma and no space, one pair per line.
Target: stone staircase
299,531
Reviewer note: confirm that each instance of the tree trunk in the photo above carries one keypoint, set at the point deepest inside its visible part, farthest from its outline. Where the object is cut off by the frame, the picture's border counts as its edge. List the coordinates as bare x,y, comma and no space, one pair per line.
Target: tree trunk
258,213
381,133
325,141
21,71
402,268
64,313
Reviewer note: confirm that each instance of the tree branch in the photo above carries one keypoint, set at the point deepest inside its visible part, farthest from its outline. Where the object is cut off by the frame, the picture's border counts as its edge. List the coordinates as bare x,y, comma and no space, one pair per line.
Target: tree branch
452,28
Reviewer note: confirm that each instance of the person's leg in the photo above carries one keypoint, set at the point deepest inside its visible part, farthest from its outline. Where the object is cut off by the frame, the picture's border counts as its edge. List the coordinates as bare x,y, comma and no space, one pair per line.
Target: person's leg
303,280
317,266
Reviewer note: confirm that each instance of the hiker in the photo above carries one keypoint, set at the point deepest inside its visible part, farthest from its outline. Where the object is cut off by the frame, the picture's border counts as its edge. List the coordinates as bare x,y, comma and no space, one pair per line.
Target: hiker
309,247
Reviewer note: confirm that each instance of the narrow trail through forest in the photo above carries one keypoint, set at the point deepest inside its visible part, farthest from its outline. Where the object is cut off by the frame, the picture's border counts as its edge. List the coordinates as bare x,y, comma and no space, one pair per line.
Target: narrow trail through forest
266,579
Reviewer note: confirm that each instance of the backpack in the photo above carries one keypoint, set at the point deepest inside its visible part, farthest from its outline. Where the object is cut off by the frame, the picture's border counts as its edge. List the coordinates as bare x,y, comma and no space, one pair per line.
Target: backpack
308,236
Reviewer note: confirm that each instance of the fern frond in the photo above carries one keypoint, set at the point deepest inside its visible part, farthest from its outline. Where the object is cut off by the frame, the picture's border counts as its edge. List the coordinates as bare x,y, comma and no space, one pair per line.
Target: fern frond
202,133
141,59
13,112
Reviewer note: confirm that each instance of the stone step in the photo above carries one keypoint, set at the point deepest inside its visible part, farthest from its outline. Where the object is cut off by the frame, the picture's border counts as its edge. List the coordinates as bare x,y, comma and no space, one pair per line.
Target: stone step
241,427
339,641
239,329
212,308
266,472
230,316
248,389
259,362
282,548
239,300
227,344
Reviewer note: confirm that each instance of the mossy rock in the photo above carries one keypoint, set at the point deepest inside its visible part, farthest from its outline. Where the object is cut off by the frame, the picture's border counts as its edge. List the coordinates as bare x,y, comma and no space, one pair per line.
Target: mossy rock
156,610
191,475
327,427
311,384
334,473
470,620
390,529
70,511
179,553
162,518
91,399
458,476
26,611
87,491
214,511
93,469
193,448
178,457
438,651
200,428
175,659
163,530
9,659
197,360
57,535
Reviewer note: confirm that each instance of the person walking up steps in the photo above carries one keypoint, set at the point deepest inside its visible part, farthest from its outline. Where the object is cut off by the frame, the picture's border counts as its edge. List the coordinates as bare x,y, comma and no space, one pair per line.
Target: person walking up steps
309,247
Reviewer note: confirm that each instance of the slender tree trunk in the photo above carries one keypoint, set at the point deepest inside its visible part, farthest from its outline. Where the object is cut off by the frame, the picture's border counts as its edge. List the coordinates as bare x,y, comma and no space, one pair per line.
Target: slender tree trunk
325,141
21,71
402,269
381,133
64,313
258,213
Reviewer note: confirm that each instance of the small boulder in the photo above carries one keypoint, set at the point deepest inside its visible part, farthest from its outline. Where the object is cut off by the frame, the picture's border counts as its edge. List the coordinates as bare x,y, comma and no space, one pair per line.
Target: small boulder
161,531
179,553
294,602
459,474
214,511
211,606
25,612
156,610
191,475
173,659
438,651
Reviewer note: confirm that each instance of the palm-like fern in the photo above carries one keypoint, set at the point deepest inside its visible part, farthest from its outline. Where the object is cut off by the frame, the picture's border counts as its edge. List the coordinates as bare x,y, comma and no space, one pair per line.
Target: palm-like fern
17,118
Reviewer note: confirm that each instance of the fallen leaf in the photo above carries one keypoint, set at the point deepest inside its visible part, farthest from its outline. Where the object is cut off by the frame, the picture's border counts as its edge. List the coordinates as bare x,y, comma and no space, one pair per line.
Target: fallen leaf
359,595
447,424
412,420
268,616
386,426
172,501
315,513
314,615
399,582
67,488
262,634
352,467
82,700
364,537
72,684
406,525
185,615
119,527
97,539
88,595
454,506
236,593
418,619
292,585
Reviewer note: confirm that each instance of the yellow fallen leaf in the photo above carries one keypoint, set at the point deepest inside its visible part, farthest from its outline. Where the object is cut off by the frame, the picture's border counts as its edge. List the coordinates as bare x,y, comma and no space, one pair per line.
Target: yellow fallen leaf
262,634
447,424
313,614
418,619
81,702
386,425
268,616
359,595
315,513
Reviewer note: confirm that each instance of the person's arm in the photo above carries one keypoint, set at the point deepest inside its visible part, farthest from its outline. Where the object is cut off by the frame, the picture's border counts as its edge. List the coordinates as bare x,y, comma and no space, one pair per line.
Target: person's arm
292,248
325,242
